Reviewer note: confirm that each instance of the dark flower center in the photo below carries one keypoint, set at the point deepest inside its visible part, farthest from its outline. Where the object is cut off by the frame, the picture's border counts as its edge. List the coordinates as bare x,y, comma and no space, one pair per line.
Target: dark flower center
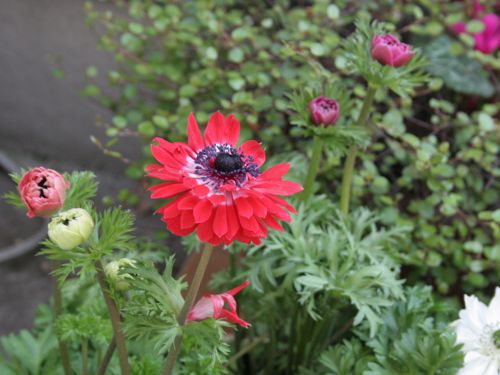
225,162
42,185
221,164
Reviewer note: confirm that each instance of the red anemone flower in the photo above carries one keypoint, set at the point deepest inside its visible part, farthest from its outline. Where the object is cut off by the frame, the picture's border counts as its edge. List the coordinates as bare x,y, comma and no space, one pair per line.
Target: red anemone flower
212,306
217,188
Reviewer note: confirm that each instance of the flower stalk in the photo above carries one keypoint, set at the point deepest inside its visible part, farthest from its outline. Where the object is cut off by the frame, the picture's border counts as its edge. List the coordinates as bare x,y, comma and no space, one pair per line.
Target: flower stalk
345,191
192,292
114,315
58,309
107,357
313,169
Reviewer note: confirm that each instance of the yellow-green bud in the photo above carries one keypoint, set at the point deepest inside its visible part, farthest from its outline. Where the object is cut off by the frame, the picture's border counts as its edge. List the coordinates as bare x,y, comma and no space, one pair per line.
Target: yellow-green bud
71,228
112,270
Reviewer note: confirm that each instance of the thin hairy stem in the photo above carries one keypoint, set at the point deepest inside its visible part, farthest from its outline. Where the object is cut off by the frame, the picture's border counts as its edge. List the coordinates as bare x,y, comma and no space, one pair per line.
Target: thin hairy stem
192,292
114,315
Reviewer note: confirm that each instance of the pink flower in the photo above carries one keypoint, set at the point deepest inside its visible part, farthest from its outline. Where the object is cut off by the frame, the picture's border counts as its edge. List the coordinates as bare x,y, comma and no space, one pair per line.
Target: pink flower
388,50
324,111
488,40
43,191
212,306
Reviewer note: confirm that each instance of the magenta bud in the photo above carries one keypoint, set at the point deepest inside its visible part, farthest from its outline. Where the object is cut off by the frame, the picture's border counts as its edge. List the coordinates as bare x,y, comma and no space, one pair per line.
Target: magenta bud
324,111
388,50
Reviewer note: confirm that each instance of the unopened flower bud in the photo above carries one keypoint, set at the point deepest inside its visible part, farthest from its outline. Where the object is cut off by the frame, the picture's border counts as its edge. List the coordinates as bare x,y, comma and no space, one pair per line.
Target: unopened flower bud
388,50
43,191
71,228
324,111
112,271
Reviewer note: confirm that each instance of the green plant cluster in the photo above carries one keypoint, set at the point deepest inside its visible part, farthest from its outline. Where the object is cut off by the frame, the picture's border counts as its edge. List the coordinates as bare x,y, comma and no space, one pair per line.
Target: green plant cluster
149,308
409,342
433,164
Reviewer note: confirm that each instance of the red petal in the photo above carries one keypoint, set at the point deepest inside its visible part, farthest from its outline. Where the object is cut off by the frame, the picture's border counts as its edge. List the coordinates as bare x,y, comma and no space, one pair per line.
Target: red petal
187,220
233,318
233,224
259,209
200,190
236,290
217,199
273,223
171,211
175,227
220,221
195,140
275,173
204,230
202,211
167,190
278,187
231,130
188,202
283,203
244,207
254,149
250,224
177,160
214,131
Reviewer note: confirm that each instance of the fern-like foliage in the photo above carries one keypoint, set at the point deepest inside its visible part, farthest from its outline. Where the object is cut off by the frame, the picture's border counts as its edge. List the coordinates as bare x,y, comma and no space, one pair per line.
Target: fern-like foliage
26,353
83,188
324,253
151,317
12,197
414,339
115,228
356,51
112,231
321,275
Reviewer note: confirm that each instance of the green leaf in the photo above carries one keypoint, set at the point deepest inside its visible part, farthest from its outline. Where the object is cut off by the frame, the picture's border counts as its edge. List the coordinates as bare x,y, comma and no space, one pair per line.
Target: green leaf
459,73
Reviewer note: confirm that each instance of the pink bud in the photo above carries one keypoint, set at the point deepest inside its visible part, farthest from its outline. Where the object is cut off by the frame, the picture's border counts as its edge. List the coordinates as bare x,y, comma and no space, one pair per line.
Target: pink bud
43,191
388,50
324,111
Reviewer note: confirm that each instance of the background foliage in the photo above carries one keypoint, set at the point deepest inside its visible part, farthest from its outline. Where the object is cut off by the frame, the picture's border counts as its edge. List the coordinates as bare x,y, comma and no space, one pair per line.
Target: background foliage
433,162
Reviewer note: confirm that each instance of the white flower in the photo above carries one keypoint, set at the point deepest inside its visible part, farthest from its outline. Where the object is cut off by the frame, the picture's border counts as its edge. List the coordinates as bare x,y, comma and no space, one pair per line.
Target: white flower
478,329
71,228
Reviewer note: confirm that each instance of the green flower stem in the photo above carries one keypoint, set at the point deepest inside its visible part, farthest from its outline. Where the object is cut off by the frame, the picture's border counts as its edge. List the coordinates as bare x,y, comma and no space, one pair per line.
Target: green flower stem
58,310
107,357
85,357
345,192
192,292
114,315
313,169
